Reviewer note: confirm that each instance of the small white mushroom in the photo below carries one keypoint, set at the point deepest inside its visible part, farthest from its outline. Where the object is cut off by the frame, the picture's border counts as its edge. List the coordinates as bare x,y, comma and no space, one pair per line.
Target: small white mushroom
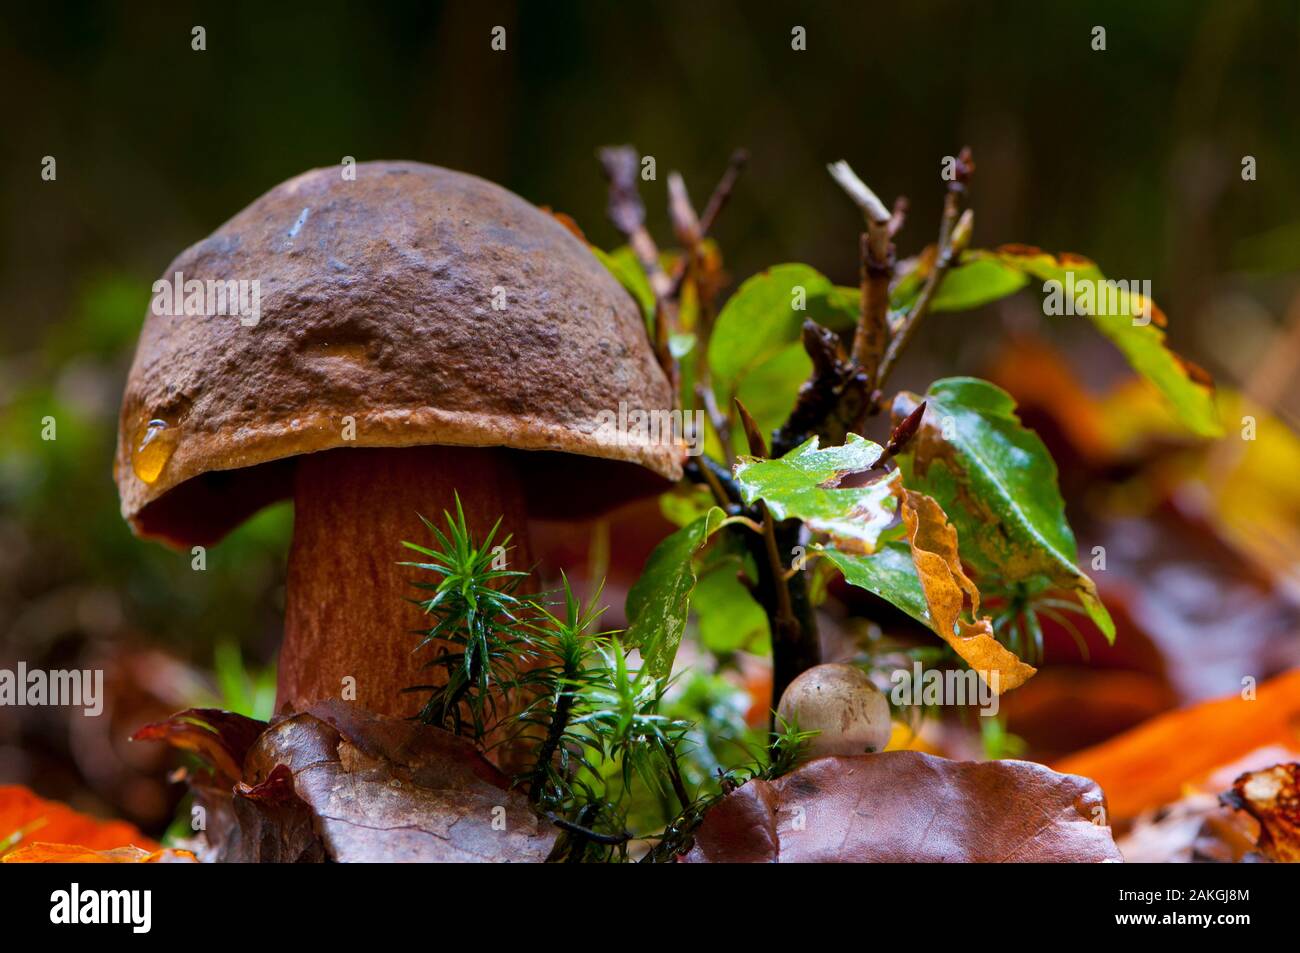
838,701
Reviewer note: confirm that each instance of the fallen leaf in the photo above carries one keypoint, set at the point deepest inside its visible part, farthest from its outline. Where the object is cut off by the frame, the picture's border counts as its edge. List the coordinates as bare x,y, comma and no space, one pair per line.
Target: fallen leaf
947,588
42,853
1149,766
385,789
1272,797
24,816
273,825
906,806
221,739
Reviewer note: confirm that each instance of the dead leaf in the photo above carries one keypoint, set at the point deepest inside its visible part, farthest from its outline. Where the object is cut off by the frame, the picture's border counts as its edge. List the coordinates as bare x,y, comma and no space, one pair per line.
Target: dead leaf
384,789
42,853
947,588
906,806
1272,797
1149,766
220,738
273,825
24,816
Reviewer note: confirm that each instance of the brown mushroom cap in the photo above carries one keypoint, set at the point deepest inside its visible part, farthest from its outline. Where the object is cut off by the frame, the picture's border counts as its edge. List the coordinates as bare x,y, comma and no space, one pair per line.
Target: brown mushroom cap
376,303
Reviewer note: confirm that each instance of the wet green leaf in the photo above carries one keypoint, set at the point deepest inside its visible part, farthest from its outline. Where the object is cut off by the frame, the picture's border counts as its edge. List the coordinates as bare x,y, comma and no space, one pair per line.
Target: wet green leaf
1133,324
729,618
765,316
997,483
805,484
658,603
889,574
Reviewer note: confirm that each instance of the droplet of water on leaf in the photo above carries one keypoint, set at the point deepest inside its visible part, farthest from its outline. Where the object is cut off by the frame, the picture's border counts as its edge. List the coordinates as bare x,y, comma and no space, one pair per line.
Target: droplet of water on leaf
152,450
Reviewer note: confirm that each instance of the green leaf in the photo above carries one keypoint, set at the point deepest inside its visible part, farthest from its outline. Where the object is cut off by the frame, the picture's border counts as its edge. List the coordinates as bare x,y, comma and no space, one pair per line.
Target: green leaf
975,282
768,392
729,618
658,603
623,265
762,319
890,574
804,484
997,483
1186,387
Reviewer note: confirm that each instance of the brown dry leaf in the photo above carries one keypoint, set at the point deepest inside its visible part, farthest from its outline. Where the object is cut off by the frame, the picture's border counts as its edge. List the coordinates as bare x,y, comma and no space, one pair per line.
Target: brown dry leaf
1149,766
947,587
272,824
906,806
384,789
1272,797
220,738
41,853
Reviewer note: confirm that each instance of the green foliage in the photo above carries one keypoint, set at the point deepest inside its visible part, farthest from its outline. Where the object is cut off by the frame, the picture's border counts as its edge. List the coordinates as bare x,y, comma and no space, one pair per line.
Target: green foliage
659,602
889,574
998,485
245,690
762,319
1191,398
622,264
728,617
606,748
804,484
977,281
479,615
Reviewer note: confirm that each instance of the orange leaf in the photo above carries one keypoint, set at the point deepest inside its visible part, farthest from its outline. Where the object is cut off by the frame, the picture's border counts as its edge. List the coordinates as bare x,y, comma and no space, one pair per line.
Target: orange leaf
1149,766
42,853
947,587
22,811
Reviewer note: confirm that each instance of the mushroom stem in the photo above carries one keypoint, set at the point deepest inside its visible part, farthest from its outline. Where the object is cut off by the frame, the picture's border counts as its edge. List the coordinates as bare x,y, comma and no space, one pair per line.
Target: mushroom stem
348,613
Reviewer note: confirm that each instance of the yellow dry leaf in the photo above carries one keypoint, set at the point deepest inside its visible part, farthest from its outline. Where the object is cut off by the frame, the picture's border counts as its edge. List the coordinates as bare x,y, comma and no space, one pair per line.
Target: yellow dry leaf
946,587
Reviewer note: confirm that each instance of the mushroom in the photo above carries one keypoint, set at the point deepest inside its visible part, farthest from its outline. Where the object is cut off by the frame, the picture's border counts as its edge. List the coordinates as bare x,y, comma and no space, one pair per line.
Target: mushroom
422,333
840,703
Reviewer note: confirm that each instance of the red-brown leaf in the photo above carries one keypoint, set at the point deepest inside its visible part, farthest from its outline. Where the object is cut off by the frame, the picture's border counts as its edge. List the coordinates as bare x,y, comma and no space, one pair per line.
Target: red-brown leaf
906,806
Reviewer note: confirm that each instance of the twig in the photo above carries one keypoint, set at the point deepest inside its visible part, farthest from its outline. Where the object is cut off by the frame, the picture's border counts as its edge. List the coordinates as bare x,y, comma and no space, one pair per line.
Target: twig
627,213
721,425
872,336
757,445
706,475
586,832
675,775
717,202
686,224
954,236
785,610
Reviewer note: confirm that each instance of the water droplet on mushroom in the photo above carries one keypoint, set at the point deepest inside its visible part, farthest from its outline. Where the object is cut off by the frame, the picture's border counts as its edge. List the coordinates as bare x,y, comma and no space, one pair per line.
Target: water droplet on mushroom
152,450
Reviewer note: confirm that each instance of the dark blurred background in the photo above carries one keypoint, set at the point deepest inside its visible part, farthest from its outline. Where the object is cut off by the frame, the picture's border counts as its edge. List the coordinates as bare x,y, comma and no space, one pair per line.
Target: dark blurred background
1131,155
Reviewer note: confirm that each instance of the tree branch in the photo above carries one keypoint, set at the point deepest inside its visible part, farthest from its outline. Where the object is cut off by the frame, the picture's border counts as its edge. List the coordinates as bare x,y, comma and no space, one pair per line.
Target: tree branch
954,235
